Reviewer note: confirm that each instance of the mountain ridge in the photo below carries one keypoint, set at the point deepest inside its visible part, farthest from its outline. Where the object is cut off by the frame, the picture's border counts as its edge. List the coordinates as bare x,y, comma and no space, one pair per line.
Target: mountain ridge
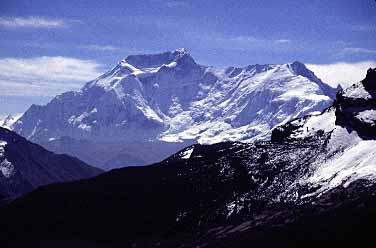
313,183
171,99
25,166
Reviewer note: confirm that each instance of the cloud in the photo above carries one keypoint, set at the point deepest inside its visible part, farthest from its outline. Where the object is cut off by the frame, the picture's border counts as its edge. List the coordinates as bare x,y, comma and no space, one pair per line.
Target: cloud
361,28
282,41
246,42
171,3
101,48
341,73
219,40
33,22
44,76
176,4
243,39
353,50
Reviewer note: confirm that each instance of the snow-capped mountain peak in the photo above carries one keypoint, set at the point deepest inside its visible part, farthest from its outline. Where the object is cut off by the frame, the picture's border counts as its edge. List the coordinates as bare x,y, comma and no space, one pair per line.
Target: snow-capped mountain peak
179,62
168,97
148,61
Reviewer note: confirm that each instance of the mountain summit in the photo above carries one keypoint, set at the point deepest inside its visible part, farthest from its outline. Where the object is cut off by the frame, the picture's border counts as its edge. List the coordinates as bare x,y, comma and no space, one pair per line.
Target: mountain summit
158,60
163,102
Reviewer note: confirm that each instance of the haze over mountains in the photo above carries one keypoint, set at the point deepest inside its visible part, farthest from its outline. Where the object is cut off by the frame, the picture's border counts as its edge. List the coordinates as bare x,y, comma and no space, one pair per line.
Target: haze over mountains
313,184
149,106
25,166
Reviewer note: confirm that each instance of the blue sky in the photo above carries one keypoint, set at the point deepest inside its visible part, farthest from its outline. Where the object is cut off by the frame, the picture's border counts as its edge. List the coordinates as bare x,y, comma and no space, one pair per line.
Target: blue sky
47,47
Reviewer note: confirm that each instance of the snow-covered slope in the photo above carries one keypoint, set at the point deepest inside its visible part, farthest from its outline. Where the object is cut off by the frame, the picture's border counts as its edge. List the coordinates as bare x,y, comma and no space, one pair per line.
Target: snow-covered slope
7,121
168,97
350,124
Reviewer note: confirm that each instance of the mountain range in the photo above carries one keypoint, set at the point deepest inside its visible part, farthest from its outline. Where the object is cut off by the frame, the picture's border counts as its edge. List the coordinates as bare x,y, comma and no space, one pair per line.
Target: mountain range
150,106
25,166
312,184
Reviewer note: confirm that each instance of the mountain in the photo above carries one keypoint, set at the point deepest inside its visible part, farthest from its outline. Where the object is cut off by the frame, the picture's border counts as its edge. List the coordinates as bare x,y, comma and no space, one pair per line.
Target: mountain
150,106
313,184
350,125
8,120
25,166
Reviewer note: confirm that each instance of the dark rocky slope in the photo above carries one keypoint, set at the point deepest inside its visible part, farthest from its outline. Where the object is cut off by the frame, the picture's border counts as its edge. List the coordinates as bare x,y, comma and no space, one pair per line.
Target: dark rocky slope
24,166
224,195
209,201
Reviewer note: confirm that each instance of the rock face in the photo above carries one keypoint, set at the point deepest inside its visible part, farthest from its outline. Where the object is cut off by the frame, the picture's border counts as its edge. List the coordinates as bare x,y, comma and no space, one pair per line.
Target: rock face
167,101
24,166
314,183
357,106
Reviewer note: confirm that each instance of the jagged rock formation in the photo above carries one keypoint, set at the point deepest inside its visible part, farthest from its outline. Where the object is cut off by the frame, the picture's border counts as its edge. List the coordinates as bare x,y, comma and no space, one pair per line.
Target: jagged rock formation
357,106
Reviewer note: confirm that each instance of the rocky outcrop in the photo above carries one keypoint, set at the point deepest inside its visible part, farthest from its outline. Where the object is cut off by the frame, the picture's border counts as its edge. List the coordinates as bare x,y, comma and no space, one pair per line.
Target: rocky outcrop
356,106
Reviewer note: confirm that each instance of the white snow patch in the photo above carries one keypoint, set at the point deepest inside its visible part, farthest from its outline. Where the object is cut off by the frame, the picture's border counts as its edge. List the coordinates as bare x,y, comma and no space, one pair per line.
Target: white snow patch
301,94
235,206
6,167
356,162
84,127
2,150
230,208
341,140
187,153
314,123
78,121
368,116
133,69
348,158
357,91
171,65
7,121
